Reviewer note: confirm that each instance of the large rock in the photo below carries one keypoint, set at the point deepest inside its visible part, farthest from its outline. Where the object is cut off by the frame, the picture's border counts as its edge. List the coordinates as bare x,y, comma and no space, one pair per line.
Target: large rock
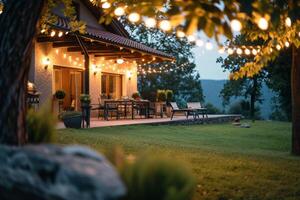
48,172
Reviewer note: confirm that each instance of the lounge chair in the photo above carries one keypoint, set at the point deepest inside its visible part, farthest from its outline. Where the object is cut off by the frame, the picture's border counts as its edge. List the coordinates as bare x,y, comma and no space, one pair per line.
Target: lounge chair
176,109
198,109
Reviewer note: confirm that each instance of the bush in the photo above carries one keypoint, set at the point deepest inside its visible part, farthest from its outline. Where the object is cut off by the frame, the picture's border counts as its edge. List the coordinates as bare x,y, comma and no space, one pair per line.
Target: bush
60,94
136,95
158,178
41,126
169,94
211,109
69,114
161,96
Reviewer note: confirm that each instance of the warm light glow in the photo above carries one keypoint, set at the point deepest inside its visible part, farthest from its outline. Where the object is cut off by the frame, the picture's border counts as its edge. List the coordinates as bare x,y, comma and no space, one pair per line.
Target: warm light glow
287,44
120,61
150,22
165,25
129,75
209,46
236,25
119,11
65,55
60,34
247,52
134,17
278,47
254,51
239,51
180,34
230,51
56,51
199,43
191,38
43,31
46,62
106,5
288,22
221,50
52,34
263,24
271,50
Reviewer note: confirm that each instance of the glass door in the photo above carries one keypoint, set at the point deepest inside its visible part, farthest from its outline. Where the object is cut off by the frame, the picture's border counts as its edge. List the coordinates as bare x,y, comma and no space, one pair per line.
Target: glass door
111,86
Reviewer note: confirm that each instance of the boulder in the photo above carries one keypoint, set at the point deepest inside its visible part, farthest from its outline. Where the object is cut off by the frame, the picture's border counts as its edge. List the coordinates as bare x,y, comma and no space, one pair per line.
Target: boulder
49,172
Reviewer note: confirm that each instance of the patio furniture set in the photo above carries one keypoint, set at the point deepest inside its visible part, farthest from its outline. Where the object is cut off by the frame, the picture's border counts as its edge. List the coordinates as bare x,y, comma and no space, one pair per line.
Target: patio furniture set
194,109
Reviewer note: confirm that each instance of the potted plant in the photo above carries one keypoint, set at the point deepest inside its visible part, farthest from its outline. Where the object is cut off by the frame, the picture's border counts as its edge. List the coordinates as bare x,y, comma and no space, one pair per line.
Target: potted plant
161,96
161,100
85,100
60,95
71,119
136,96
169,95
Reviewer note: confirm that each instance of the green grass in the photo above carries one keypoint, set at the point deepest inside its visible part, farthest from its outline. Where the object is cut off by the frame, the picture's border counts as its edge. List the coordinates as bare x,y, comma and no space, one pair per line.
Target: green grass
229,162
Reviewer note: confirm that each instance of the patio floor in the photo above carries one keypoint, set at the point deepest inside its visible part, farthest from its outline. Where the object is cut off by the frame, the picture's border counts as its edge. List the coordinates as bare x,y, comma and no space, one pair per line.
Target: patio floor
95,122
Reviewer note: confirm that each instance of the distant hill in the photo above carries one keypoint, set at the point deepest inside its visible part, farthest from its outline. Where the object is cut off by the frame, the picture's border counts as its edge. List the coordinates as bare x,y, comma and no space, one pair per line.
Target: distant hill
212,88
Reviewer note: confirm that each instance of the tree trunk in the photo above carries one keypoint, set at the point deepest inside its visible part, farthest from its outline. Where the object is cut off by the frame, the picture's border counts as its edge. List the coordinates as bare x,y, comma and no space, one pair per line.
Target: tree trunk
18,25
253,99
295,86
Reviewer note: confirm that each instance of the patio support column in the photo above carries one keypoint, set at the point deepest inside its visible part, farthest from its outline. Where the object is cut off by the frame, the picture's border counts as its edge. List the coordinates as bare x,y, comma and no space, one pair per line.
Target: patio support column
86,76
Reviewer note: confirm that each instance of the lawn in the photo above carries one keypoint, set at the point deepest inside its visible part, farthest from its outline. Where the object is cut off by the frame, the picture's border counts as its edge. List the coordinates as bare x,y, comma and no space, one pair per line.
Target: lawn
228,162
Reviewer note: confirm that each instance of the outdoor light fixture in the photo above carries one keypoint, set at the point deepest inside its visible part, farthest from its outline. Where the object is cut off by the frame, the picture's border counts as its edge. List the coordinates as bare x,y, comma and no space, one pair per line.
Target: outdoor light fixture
96,69
165,25
134,17
236,25
120,61
263,23
150,22
129,75
46,63
119,11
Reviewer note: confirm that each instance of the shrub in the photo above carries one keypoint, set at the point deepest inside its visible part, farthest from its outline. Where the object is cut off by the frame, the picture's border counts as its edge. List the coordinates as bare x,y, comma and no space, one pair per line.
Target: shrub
60,94
161,95
69,114
41,126
157,178
136,95
211,109
85,98
169,94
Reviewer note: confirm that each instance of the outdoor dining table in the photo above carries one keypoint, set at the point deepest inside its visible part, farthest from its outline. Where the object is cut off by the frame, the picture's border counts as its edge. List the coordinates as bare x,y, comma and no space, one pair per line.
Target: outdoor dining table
125,104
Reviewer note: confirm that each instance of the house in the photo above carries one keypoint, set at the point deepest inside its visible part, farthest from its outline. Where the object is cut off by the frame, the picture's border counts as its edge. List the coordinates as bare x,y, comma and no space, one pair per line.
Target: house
103,62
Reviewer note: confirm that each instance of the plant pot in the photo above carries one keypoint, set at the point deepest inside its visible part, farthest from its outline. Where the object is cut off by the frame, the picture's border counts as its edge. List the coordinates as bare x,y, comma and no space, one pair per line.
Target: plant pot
73,122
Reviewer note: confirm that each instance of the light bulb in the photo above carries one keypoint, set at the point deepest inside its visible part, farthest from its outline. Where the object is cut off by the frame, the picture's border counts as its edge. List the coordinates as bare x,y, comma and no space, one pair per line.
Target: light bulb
287,44
150,22
119,11
52,34
254,51
239,51
165,25
199,43
221,50
134,17
43,31
288,22
263,24
120,61
230,51
247,52
60,34
106,5
180,34
209,46
236,25
278,47
191,38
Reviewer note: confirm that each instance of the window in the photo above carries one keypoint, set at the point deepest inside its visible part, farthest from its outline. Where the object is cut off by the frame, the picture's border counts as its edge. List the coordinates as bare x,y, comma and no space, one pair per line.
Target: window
111,86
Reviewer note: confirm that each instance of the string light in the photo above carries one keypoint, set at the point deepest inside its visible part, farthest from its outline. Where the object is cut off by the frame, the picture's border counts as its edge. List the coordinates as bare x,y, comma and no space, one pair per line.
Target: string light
43,30
199,42
191,38
52,34
278,47
254,51
236,25
134,17
119,11
209,46
150,22
239,51
287,44
221,50
180,34
165,25
247,52
263,23
60,34
106,5
230,51
288,22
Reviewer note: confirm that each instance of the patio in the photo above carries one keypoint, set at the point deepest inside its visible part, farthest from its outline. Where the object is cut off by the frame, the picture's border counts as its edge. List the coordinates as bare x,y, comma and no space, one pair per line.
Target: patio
95,122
